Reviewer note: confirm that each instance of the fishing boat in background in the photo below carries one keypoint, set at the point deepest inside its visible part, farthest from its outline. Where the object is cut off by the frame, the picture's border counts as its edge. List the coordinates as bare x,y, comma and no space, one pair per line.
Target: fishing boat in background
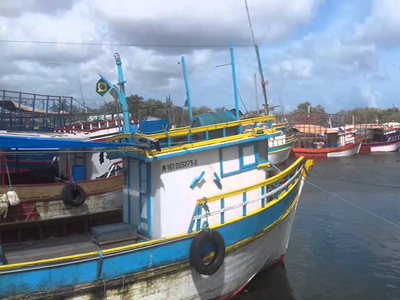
55,178
384,138
97,130
317,141
279,146
201,219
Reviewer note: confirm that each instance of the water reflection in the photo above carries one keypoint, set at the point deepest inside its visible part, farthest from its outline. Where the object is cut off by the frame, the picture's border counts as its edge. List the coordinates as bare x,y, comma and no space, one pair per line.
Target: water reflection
272,283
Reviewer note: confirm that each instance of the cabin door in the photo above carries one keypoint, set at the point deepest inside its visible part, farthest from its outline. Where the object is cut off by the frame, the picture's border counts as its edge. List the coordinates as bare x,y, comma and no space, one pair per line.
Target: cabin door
145,198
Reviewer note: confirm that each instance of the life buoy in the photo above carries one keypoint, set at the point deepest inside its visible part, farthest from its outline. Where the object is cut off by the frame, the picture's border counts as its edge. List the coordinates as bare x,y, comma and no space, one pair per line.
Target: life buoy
73,194
197,248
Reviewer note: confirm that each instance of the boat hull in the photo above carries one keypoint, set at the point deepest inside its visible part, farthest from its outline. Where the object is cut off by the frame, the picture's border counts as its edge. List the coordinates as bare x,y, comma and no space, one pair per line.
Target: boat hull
239,267
347,150
41,202
379,147
160,269
279,154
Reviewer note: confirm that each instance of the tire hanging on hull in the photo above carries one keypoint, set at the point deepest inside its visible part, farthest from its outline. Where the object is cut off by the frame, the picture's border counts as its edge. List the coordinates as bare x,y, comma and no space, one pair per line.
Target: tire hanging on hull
196,252
73,194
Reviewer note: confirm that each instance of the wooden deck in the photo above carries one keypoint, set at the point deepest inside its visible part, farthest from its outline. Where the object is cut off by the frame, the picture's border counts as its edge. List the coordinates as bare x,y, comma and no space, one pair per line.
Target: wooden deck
51,248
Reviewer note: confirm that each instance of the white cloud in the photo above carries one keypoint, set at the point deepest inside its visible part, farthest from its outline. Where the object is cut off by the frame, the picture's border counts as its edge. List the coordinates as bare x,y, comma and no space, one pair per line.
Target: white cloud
151,72
293,69
382,26
365,95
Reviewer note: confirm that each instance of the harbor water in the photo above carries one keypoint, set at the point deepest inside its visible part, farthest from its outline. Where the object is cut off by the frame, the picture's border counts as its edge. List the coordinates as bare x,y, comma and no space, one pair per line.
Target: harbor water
338,251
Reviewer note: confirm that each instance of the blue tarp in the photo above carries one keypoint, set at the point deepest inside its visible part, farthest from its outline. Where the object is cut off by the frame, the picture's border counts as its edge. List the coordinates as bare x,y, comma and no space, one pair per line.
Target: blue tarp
29,142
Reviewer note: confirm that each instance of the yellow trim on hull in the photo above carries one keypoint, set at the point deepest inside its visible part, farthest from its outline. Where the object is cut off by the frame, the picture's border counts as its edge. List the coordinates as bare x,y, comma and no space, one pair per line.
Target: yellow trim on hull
268,181
307,165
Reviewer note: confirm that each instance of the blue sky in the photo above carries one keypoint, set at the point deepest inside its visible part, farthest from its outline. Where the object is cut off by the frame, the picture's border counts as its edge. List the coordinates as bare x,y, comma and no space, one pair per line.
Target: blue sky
339,54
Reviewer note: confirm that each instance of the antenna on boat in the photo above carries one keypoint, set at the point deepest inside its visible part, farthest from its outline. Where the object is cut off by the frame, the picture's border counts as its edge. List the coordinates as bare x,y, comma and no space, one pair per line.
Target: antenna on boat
104,85
187,88
263,82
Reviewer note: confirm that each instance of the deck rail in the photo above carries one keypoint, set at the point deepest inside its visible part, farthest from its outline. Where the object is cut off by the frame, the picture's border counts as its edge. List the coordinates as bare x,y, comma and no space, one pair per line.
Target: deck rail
270,190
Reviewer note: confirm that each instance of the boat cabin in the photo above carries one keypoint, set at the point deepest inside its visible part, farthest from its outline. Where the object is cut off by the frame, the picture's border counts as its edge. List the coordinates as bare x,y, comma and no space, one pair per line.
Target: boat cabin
163,186
318,137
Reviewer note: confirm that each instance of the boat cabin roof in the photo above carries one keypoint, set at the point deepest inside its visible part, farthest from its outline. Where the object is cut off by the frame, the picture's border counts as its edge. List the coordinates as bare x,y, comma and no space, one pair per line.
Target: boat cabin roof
313,129
185,140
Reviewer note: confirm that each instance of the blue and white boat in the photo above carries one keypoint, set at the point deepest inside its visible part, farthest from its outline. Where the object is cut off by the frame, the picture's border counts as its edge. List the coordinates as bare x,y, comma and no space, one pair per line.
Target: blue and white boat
201,219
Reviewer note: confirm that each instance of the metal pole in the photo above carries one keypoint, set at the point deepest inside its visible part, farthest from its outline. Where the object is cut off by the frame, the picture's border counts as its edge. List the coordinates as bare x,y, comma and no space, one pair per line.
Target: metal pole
263,83
2,110
122,96
3,168
234,81
255,87
47,111
19,111
59,110
33,112
187,89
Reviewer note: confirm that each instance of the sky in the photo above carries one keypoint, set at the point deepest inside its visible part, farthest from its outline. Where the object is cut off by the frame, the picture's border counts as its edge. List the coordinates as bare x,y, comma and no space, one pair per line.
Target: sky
338,54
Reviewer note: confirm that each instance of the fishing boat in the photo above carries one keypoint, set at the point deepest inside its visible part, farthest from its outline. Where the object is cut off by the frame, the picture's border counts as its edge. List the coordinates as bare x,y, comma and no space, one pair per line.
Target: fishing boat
201,219
385,138
317,141
279,146
55,178
96,130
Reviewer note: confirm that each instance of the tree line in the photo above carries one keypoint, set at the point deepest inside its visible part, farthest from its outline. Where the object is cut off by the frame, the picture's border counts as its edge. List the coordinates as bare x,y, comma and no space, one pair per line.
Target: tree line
140,108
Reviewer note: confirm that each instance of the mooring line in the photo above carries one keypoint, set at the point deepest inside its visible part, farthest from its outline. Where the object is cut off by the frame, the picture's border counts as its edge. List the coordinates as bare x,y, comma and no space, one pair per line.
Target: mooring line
357,182
354,205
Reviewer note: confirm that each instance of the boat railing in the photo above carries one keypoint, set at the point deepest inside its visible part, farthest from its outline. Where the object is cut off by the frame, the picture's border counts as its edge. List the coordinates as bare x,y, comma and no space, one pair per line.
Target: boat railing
92,126
271,190
185,135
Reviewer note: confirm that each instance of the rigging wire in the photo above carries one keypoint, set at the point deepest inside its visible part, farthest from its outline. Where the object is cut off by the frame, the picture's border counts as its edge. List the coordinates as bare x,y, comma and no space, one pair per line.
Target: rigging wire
242,100
354,205
121,45
358,182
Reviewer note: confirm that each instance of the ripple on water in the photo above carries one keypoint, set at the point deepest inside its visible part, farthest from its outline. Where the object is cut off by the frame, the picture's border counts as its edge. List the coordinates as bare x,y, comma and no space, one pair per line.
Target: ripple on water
337,251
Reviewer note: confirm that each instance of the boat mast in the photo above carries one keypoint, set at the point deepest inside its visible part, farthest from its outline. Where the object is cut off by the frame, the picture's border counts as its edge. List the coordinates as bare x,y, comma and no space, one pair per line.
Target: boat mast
102,89
235,91
263,83
187,89
256,91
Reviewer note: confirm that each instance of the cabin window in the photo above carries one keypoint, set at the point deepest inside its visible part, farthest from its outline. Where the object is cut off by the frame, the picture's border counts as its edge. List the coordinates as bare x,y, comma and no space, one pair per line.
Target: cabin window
248,155
229,159
262,151
242,158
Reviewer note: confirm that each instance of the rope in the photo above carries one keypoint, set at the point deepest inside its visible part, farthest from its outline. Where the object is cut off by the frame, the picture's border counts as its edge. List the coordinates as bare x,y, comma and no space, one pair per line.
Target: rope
207,210
358,182
354,205
123,287
242,101
8,174
104,290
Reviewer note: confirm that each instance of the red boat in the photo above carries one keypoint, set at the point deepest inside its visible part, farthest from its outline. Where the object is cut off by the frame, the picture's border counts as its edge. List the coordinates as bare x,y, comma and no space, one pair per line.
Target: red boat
313,141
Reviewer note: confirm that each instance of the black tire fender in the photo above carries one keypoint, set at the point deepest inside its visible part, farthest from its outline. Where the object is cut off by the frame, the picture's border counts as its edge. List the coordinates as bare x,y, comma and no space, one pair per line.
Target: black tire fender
196,255
73,194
